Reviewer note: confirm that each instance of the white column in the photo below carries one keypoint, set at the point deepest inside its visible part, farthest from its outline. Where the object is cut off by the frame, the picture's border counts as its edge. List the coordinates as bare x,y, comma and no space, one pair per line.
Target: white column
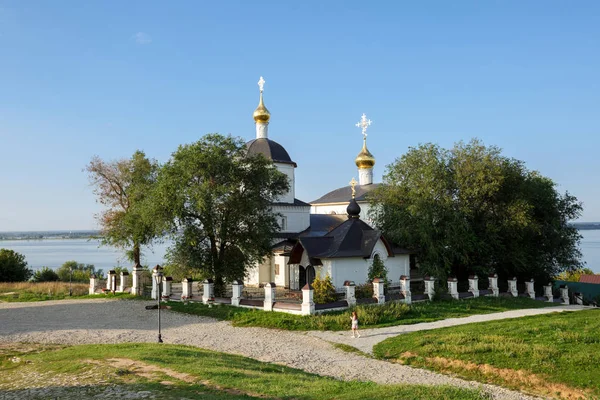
186,288
453,288
378,290
548,293
578,298
262,130
474,285
564,294
167,284
405,289
350,293
208,294
512,287
429,286
236,287
308,305
154,293
136,286
365,176
493,278
93,284
269,296
124,282
530,289
110,279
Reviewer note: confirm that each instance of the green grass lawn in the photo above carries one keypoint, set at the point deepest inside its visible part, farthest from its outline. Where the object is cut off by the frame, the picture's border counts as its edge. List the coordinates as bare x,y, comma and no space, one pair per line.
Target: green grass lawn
554,354
178,372
370,316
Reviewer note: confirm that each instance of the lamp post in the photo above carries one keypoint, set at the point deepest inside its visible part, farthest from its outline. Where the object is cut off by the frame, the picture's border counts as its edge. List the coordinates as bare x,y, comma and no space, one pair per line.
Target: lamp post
70,281
158,277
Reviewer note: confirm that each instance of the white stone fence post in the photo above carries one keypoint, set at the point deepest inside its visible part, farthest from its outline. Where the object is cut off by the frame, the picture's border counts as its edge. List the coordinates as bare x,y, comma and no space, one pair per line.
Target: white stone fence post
124,282
530,289
167,287
429,286
493,279
378,287
405,289
578,297
186,289
93,284
208,292
350,293
474,285
564,294
111,280
453,288
136,286
269,296
308,304
512,287
548,293
237,288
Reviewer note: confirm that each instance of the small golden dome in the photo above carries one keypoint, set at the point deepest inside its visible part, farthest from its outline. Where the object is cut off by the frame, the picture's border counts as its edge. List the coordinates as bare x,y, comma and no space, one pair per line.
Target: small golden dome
365,159
261,114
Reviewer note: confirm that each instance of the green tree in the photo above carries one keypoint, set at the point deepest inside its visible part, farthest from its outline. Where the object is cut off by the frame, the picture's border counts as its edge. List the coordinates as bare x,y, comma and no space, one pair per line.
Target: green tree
217,202
324,291
472,210
13,267
377,269
80,272
573,276
123,187
45,274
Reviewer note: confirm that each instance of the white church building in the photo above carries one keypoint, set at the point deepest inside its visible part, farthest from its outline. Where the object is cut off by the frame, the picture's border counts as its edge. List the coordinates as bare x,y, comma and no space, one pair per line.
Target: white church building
331,235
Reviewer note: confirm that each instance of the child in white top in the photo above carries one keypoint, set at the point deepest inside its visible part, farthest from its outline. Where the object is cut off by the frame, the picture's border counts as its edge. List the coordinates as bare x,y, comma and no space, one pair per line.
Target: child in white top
354,319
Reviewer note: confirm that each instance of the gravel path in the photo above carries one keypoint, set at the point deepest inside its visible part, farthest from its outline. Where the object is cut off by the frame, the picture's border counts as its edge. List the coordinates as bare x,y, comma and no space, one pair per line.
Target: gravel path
370,337
114,321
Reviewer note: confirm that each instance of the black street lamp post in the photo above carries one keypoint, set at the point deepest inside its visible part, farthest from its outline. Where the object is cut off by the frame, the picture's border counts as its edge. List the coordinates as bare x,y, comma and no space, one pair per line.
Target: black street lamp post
158,277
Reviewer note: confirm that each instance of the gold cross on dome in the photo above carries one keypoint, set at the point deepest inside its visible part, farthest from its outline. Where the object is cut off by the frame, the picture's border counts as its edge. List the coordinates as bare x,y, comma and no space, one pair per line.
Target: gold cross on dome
353,183
261,84
364,124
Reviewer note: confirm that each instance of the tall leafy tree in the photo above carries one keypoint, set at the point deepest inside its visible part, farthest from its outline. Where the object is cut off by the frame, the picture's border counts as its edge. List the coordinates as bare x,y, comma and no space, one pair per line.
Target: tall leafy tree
472,210
13,267
217,202
123,187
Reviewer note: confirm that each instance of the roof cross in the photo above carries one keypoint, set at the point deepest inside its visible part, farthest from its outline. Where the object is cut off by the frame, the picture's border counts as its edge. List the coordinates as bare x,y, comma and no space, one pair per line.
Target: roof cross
364,124
261,84
353,183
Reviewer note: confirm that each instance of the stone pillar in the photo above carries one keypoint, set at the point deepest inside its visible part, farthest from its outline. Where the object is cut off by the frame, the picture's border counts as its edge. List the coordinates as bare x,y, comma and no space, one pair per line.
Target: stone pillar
186,289
453,288
111,280
236,288
429,286
136,286
93,284
208,292
378,290
269,296
124,282
167,284
548,293
578,298
474,285
512,287
564,294
493,279
308,305
530,289
154,293
350,293
405,289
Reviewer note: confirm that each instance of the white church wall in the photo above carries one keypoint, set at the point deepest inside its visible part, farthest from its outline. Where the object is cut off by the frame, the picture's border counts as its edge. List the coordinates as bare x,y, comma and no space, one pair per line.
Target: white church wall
349,269
297,219
288,170
281,270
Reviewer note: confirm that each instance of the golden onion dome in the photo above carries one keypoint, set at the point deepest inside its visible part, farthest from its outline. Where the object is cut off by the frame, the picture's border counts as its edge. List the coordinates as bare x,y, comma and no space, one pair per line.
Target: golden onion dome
261,114
365,159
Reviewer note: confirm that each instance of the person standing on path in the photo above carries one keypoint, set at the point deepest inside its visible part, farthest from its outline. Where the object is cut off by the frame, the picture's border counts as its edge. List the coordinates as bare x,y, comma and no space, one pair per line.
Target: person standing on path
354,319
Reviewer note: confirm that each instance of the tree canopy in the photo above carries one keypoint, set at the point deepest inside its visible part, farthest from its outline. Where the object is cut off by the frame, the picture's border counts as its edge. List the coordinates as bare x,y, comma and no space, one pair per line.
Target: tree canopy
472,210
216,200
13,267
123,187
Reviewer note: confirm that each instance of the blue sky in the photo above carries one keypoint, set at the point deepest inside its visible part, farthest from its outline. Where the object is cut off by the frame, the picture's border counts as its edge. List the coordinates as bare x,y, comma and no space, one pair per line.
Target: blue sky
105,78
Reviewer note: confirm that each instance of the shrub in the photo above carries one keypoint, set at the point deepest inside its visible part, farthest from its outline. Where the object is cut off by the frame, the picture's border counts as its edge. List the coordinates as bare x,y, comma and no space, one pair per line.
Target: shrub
13,267
324,290
81,272
364,291
45,275
378,269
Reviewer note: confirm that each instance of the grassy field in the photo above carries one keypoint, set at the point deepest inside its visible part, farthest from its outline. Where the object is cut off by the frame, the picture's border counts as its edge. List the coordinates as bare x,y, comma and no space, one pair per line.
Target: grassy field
41,291
556,355
370,316
178,372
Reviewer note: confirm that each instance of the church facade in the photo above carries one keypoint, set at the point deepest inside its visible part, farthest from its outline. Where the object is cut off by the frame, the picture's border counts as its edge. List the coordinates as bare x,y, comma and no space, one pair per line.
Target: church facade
330,236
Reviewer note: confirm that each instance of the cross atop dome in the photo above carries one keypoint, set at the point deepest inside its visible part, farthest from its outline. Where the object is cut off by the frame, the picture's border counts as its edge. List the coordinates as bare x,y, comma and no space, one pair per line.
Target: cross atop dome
364,124
352,184
261,84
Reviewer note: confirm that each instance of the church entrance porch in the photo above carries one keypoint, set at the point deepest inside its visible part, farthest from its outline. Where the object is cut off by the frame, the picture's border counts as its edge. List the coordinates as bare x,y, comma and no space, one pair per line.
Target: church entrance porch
307,275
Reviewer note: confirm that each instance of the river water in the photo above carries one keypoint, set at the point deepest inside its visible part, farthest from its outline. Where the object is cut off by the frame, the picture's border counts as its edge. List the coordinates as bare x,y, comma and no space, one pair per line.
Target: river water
54,252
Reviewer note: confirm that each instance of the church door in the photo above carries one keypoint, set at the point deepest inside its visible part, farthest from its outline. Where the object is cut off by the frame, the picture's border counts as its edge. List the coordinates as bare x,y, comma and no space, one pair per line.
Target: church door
310,274
302,277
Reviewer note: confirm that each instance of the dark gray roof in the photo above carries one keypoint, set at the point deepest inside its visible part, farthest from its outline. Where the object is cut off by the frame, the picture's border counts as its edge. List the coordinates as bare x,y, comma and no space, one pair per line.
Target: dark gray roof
297,203
322,224
344,194
270,149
